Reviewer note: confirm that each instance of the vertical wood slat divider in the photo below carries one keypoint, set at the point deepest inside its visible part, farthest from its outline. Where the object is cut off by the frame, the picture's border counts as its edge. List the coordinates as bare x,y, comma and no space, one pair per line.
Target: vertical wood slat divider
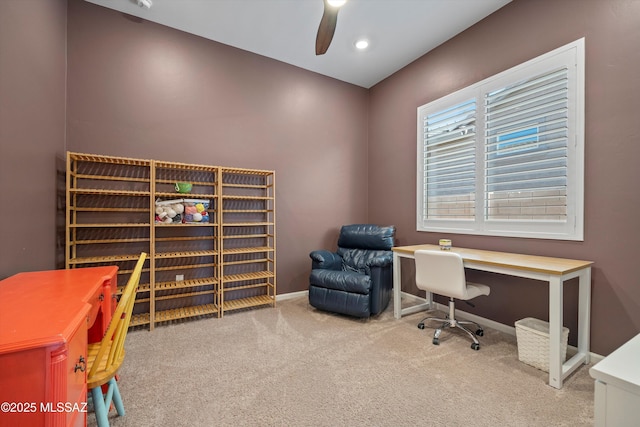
152,243
219,241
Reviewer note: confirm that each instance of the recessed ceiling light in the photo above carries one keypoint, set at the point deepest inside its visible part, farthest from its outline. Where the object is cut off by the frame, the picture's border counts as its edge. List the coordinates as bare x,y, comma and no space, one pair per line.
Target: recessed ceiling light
362,44
336,3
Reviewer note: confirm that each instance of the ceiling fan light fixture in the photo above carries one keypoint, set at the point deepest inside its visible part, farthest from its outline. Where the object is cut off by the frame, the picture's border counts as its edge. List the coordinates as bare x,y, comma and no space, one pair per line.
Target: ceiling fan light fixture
145,3
336,3
362,44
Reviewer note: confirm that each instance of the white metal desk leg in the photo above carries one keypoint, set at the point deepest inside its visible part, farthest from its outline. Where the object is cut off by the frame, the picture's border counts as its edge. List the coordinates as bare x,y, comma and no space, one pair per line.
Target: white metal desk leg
584,310
555,331
397,285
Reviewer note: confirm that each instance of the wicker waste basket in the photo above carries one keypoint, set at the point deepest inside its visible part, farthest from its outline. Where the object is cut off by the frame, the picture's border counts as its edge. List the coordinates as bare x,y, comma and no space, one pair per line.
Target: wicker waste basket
533,342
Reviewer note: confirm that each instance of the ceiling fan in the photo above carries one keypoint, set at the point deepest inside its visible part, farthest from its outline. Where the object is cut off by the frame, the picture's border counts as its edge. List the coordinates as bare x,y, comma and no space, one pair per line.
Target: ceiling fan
327,25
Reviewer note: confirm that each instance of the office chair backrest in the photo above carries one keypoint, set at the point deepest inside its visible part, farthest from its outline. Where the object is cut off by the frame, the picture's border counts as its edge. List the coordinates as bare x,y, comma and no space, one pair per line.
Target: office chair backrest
112,344
441,272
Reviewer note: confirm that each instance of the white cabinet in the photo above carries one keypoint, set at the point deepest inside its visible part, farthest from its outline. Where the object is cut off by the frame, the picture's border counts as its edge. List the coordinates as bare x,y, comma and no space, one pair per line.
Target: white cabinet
617,386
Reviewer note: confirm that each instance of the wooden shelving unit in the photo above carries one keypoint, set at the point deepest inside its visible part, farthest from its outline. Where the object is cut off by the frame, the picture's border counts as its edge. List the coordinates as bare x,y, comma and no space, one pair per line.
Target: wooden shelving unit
185,259
248,238
223,262
108,217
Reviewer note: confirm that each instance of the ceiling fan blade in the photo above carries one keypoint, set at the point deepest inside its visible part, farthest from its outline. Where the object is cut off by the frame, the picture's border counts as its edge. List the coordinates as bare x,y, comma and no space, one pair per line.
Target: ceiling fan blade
326,29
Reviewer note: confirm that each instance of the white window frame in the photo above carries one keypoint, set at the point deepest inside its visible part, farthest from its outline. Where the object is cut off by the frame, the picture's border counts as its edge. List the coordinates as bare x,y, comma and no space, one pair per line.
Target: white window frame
572,56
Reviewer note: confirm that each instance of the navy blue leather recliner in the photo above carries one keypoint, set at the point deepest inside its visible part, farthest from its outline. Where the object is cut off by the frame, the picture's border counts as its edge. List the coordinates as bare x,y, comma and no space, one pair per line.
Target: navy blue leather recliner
357,280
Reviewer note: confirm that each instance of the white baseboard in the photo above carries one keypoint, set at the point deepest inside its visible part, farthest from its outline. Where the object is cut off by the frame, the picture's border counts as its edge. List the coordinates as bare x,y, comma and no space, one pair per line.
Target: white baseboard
511,330
291,295
507,329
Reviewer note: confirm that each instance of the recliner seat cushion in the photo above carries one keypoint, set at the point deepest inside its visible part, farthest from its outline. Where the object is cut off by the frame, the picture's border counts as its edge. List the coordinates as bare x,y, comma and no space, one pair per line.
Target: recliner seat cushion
350,303
347,281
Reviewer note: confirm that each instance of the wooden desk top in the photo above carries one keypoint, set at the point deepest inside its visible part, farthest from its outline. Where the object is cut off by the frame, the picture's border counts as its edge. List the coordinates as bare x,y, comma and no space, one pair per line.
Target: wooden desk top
44,307
540,264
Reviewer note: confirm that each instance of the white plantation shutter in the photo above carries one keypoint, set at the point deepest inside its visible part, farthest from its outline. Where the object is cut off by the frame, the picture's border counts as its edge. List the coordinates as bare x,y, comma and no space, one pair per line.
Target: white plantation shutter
505,156
450,162
526,138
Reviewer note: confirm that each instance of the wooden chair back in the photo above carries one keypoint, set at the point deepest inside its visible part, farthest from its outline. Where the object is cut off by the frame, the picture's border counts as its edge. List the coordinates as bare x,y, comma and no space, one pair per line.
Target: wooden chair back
112,344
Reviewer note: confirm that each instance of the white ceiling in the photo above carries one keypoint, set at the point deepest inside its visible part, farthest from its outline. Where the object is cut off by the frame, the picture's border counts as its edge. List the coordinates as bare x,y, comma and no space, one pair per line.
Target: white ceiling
399,31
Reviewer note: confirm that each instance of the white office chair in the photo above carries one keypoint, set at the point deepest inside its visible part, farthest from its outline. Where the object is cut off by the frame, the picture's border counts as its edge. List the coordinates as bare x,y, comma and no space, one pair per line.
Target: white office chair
442,273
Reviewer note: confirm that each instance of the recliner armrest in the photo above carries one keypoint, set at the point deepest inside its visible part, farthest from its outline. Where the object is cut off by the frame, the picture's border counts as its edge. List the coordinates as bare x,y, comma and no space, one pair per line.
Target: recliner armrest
326,260
381,261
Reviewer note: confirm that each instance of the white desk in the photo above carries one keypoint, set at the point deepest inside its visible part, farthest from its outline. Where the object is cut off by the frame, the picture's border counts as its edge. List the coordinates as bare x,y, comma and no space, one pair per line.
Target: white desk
554,271
617,386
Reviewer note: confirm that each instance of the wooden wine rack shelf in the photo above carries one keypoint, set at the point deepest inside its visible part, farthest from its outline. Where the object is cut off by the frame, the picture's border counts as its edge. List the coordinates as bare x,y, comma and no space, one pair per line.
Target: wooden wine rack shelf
240,303
164,286
94,191
174,195
185,312
142,287
248,276
185,254
105,259
140,319
193,269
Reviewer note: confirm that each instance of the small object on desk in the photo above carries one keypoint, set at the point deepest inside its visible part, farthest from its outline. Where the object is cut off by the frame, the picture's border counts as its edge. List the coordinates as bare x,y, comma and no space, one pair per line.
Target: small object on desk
445,244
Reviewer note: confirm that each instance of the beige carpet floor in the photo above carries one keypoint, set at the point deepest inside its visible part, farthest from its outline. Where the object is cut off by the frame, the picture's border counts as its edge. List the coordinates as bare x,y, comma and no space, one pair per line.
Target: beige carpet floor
295,366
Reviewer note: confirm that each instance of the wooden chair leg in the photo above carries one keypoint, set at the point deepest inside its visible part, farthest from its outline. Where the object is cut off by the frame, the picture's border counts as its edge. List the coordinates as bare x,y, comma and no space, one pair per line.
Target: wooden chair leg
102,403
102,414
117,399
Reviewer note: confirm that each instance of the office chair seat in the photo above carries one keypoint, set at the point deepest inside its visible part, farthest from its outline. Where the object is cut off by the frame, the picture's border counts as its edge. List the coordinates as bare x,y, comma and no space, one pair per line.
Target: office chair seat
442,273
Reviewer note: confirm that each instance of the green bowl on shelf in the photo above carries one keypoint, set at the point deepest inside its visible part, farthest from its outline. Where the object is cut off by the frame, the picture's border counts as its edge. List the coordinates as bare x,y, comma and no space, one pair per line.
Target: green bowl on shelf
183,187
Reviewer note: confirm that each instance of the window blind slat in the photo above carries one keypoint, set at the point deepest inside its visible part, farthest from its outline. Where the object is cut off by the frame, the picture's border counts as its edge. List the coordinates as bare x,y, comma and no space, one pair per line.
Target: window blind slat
497,95
551,129
552,89
522,117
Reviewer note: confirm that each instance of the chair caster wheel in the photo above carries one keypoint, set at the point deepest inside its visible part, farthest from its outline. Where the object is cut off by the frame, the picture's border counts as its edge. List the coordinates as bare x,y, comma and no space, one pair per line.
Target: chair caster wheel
475,346
436,341
480,332
421,325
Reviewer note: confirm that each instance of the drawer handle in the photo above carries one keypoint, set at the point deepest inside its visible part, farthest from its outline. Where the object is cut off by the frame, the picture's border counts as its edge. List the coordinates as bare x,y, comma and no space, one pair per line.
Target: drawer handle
81,365
101,297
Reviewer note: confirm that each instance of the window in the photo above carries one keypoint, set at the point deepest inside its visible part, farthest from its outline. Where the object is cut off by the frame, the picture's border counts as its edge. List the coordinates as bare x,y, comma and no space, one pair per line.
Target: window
505,156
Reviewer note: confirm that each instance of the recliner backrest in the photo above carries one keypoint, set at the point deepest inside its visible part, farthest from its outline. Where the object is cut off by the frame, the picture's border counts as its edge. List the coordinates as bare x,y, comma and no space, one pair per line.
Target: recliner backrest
357,259
366,236
359,243
441,272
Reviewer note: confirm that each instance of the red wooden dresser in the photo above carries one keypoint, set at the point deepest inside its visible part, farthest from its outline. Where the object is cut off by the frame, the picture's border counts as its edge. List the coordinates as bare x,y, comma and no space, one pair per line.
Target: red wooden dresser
46,320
